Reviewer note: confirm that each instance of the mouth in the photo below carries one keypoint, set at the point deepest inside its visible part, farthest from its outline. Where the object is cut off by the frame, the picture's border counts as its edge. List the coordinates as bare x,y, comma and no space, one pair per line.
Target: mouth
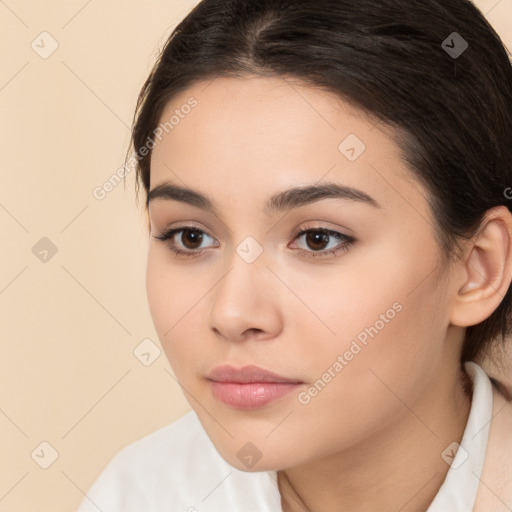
249,387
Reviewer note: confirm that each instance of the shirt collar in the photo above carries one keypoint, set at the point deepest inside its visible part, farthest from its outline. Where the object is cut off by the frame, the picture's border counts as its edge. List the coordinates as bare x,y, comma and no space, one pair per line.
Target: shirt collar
466,460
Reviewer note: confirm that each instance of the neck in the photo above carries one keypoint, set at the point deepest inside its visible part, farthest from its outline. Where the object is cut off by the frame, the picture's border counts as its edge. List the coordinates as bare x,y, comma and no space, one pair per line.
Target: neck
399,468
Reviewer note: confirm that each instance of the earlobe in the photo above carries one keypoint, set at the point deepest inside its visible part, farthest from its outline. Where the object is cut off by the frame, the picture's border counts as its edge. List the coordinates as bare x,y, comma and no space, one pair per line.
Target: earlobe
488,270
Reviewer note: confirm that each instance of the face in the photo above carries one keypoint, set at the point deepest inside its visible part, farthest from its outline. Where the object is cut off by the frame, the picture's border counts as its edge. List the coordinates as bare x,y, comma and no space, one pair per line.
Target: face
312,255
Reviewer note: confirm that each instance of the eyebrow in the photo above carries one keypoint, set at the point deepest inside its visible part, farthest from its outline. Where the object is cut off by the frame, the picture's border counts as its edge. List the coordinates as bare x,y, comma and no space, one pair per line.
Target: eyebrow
287,200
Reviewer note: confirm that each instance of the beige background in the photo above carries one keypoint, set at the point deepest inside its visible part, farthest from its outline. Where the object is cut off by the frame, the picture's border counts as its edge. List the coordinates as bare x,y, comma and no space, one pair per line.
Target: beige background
69,325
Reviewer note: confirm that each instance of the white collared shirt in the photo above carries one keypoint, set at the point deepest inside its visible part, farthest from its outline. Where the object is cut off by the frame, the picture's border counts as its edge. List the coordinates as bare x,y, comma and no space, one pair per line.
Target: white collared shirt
459,489
177,469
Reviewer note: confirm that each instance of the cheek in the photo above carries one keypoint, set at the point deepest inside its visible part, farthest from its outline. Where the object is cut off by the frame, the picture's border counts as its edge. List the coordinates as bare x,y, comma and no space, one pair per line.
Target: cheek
357,388
386,314
174,299
389,342
161,291
390,298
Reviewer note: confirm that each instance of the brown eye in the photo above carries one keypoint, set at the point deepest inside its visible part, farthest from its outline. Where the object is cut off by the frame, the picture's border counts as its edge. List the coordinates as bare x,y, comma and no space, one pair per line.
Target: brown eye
185,241
317,240
191,238
321,242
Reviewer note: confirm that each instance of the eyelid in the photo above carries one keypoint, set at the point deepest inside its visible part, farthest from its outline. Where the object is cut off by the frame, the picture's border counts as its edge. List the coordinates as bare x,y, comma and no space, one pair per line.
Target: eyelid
322,226
169,232
185,225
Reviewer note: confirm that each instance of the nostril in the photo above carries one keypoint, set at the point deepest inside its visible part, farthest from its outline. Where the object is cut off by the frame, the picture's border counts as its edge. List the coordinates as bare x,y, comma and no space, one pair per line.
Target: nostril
253,332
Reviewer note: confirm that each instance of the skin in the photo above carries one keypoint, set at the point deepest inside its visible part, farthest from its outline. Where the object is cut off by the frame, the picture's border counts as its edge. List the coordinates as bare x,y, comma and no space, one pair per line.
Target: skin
372,438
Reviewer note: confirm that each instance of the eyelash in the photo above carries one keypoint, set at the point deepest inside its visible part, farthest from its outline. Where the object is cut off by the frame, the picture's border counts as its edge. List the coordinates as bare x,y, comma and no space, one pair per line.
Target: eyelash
346,241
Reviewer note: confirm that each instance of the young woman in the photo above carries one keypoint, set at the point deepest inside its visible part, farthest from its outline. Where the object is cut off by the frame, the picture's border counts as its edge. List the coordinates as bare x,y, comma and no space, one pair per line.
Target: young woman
328,194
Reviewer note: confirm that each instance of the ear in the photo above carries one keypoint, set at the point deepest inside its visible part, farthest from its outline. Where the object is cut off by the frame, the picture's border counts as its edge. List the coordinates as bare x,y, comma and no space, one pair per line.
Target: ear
486,269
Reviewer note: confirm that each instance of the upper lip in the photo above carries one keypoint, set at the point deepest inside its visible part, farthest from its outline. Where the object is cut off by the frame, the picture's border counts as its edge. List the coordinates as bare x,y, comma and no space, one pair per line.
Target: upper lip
246,374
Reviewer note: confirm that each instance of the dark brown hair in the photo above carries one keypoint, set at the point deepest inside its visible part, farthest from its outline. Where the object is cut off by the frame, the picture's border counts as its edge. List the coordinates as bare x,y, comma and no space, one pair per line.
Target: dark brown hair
404,62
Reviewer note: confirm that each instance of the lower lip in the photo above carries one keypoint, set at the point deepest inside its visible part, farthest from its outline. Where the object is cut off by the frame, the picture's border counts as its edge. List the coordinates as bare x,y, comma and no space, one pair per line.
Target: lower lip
251,395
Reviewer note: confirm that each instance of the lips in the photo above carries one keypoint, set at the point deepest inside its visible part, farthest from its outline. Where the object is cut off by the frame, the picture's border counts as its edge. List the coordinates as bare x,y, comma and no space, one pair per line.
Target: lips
247,374
250,387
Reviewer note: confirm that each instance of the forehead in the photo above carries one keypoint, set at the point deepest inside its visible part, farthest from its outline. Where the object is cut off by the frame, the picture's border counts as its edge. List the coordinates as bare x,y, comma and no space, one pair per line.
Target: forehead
270,114
256,135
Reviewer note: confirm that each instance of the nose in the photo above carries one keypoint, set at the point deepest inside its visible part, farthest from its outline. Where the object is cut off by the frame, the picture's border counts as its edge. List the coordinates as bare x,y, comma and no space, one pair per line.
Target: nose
245,303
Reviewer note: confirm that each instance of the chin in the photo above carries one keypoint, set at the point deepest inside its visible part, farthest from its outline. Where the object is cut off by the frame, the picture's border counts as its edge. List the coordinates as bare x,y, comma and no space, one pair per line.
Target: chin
252,457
